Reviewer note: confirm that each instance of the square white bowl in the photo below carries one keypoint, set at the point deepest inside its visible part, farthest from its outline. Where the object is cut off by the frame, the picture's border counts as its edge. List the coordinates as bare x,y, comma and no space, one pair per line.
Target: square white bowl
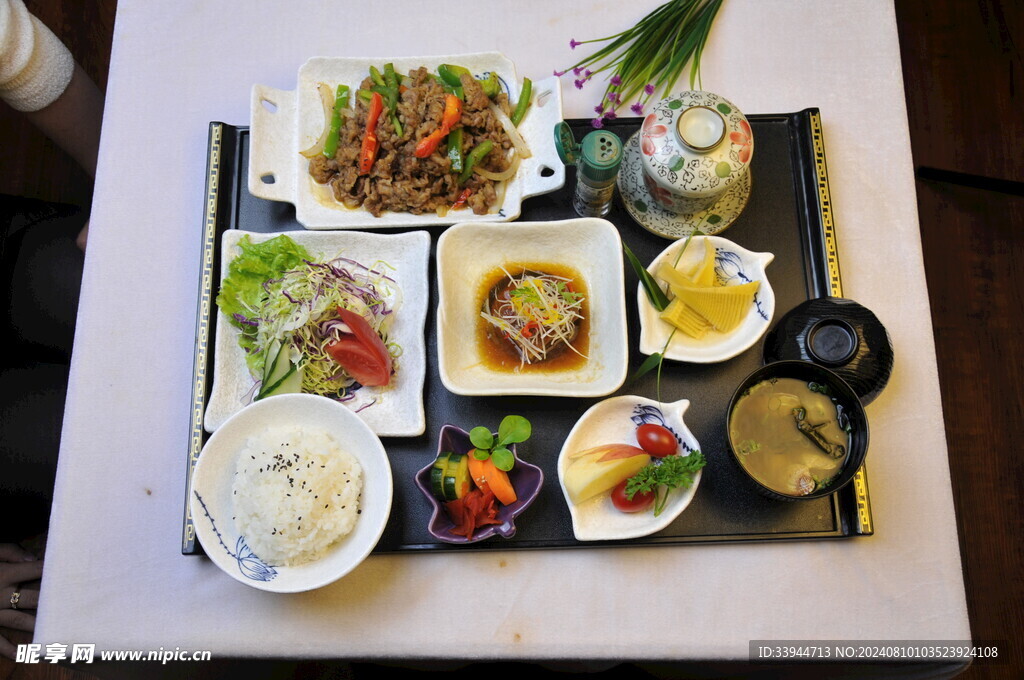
399,408
468,252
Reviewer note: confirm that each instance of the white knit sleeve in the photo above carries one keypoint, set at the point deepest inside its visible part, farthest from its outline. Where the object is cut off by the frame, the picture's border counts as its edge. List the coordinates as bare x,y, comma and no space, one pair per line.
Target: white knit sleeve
35,66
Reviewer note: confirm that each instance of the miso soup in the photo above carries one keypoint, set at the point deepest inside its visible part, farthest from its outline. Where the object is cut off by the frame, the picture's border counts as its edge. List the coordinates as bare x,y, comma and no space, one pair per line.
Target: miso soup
790,435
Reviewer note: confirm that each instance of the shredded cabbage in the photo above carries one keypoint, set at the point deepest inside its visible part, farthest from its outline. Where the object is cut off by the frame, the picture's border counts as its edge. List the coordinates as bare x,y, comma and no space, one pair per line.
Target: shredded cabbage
298,308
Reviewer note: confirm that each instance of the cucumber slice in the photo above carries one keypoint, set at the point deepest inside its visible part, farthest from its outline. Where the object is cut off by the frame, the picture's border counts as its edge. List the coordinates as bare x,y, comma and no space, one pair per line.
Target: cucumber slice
280,375
456,482
270,361
291,383
437,475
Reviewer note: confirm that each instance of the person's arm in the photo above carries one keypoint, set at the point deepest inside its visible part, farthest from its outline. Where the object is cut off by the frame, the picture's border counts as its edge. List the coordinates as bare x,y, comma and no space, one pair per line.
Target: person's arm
73,120
39,77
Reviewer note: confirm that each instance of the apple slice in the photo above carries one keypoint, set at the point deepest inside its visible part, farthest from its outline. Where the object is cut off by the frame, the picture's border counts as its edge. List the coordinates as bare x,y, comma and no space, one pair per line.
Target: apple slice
594,471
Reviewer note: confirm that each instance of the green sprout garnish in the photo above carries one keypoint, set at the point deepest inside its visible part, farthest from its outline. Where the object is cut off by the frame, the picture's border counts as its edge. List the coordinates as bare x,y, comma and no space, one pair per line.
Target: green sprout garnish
513,430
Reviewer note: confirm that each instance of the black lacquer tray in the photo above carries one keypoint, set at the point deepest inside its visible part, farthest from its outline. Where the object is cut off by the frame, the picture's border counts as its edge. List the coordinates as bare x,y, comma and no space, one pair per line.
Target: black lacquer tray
788,214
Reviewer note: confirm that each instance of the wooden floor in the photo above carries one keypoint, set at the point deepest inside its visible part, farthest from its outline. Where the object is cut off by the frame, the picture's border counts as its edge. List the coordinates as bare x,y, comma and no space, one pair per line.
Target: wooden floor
965,97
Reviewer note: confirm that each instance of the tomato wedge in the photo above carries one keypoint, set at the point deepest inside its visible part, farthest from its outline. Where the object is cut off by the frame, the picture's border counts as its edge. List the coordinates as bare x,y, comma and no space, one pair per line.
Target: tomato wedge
361,362
365,333
363,354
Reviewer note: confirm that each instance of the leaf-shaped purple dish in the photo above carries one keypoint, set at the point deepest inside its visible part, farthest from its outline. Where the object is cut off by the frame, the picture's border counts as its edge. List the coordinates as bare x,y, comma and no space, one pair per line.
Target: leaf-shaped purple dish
526,480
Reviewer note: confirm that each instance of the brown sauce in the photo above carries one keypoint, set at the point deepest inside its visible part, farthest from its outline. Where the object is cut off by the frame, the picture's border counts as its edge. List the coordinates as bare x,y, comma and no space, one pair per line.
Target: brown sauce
499,354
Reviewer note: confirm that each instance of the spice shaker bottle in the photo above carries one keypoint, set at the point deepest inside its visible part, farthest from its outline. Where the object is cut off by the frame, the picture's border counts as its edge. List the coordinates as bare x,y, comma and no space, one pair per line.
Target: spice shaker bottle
597,160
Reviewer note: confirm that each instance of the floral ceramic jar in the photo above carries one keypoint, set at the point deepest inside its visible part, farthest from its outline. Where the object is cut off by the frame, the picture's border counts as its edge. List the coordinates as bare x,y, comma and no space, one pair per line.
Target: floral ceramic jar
694,146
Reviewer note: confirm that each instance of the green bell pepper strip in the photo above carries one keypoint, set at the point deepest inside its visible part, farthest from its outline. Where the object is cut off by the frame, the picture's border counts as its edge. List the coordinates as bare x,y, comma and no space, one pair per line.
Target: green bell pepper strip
475,156
455,149
377,77
450,78
491,86
448,89
365,95
390,77
340,102
523,103
390,97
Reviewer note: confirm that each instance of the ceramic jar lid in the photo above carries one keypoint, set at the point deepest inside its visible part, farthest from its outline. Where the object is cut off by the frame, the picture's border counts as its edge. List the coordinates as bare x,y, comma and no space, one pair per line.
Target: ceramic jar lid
696,144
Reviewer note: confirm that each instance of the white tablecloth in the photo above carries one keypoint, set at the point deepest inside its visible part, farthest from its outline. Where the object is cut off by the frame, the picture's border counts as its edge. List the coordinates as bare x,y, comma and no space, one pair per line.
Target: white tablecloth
114,574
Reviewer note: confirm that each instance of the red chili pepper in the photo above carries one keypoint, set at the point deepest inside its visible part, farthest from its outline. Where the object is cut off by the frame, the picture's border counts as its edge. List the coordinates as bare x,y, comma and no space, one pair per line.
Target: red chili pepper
451,116
530,328
368,153
462,198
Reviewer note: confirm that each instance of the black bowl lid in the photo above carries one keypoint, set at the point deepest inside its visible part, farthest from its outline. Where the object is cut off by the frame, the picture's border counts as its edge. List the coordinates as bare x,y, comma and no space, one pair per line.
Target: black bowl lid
839,334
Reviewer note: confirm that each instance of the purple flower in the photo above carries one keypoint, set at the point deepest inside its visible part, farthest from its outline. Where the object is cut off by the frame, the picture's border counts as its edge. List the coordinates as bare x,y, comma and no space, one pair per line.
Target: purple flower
588,73
616,80
637,108
576,71
558,74
578,84
614,98
597,122
648,89
611,115
573,43
599,109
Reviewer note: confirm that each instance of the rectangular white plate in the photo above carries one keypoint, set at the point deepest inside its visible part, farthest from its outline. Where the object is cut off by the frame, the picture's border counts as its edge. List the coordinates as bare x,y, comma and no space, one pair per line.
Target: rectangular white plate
398,411
287,121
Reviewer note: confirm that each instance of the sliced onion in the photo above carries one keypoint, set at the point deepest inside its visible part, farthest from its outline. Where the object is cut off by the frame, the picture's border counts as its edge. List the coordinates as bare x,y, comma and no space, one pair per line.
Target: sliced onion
510,130
327,99
441,210
513,166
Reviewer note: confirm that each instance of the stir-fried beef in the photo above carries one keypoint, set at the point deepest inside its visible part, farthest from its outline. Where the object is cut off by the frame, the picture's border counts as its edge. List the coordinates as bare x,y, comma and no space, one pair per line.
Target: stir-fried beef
400,182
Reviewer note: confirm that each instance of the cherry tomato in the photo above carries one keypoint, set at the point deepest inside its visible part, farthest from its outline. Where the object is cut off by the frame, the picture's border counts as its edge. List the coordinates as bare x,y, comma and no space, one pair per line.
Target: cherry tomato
656,440
641,500
361,362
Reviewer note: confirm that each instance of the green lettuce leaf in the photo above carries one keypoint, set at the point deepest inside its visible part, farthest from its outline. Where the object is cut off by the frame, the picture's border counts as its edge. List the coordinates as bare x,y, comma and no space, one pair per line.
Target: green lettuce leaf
242,289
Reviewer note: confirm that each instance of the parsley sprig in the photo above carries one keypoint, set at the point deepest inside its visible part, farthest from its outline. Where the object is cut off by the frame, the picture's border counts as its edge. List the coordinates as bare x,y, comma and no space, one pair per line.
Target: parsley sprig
673,472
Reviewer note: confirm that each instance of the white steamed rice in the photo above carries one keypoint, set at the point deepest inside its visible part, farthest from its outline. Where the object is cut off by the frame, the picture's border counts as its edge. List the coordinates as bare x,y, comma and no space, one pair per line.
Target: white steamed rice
295,493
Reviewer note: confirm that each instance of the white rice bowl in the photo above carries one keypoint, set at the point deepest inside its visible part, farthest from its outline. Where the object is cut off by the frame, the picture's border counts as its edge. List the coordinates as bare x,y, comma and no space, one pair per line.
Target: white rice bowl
250,554
295,493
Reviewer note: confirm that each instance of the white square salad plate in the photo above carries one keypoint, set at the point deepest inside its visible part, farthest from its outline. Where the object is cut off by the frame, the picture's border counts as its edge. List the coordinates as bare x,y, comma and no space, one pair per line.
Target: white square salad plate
468,253
395,410
285,122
